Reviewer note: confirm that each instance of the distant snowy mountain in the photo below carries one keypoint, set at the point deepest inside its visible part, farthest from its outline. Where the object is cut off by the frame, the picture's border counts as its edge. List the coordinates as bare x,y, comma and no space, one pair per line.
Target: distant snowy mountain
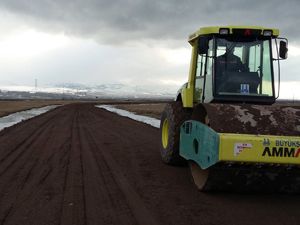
117,90
74,90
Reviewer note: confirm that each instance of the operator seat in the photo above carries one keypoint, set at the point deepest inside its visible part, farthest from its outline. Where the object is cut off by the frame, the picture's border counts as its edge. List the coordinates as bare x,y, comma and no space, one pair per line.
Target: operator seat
231,82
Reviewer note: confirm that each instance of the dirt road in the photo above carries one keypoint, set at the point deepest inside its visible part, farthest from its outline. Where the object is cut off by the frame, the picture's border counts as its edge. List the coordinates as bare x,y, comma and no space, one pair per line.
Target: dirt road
82,165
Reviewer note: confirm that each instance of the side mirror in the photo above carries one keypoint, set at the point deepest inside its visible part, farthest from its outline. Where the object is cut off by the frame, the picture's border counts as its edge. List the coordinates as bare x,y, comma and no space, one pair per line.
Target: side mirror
283,50
203,45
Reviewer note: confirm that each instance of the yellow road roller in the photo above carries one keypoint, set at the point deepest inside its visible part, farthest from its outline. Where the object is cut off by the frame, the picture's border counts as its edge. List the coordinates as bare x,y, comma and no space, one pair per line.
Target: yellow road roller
225,121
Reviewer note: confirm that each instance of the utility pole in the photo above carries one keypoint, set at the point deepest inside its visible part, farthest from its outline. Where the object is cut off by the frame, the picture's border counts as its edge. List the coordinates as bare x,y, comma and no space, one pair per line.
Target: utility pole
293,98
35,84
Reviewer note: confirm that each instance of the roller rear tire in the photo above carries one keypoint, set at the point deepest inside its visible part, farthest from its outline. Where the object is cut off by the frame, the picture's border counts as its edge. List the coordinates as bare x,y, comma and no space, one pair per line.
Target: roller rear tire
172,118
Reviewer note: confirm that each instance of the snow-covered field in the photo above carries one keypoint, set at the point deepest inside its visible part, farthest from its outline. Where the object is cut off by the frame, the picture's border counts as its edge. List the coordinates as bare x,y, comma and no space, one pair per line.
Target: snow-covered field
145,119
18,117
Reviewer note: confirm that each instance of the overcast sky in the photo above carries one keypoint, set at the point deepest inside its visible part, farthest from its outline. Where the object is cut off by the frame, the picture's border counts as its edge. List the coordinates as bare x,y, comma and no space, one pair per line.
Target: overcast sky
138,43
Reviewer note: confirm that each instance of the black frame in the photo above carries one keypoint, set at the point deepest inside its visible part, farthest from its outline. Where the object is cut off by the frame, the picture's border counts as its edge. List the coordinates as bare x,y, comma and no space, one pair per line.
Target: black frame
241,98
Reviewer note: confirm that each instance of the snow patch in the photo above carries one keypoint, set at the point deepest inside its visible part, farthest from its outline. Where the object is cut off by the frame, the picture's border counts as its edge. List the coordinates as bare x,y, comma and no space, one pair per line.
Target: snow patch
144,119
14,118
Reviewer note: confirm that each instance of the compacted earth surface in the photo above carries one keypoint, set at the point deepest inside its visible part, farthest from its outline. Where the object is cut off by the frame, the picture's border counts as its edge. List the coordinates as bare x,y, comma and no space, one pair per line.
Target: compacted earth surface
8,106
79,164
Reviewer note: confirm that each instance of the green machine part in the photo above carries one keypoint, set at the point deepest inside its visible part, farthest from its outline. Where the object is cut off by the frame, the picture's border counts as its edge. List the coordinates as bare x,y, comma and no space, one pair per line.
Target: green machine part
199,143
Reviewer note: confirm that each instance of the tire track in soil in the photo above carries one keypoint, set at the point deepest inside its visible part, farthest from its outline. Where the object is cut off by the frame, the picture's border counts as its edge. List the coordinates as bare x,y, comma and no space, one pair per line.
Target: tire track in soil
34,172
105,202
73,205
89,166
101,196
113,176
23,140
14,176
127,139
12,156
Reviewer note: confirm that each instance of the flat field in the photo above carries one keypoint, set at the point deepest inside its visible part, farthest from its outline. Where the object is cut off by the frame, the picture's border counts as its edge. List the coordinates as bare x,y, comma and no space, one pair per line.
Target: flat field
79,165
8,107
147,109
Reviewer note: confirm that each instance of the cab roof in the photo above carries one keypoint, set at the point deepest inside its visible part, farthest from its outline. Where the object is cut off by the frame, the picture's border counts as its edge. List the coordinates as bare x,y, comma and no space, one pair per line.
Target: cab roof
216,30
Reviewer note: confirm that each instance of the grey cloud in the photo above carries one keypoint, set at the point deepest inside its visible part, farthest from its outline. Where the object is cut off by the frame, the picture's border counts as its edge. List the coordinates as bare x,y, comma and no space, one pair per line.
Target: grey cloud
129,20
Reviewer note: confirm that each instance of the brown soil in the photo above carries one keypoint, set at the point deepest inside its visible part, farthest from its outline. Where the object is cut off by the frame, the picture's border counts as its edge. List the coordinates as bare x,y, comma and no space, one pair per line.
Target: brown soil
143,107
8,107
153,110
79,164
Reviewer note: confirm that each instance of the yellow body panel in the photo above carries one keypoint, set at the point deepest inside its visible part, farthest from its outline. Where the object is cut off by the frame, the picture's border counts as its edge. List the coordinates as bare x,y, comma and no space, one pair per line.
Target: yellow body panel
259,148
216,29
187,93
187,97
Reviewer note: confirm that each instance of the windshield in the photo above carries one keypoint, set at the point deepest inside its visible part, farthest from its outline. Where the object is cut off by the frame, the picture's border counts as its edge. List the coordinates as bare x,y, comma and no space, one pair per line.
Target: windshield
243,68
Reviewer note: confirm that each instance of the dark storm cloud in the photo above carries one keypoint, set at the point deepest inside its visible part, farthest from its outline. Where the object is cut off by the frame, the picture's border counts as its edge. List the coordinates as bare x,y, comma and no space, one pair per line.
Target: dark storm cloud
128,20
